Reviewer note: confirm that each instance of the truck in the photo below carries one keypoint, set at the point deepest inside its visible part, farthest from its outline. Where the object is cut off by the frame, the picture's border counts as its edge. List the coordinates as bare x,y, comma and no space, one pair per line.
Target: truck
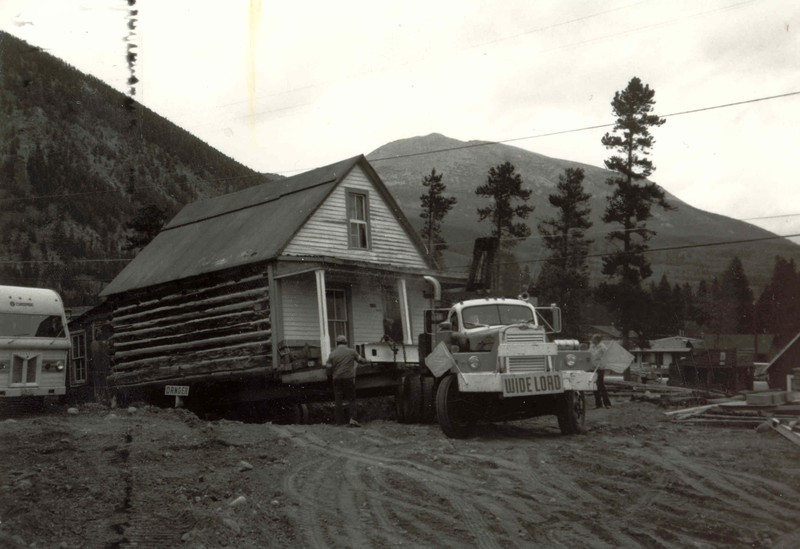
34,342
492,360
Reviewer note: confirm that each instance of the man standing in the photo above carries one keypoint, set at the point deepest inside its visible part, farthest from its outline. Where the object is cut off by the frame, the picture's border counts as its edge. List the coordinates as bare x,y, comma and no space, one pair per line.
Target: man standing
597,349
342,362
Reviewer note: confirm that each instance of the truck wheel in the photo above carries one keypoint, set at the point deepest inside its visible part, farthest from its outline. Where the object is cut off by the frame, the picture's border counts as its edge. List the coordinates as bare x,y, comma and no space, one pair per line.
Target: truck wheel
412,401
428,400
300,414
572,413
452,411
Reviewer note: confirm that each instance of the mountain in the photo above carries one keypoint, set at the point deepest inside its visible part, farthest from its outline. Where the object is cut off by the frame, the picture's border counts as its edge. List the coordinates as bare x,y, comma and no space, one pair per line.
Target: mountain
78,160
402,165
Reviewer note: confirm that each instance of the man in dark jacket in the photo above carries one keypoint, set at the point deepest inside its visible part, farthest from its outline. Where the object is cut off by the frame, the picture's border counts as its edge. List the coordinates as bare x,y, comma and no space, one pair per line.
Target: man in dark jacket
342,362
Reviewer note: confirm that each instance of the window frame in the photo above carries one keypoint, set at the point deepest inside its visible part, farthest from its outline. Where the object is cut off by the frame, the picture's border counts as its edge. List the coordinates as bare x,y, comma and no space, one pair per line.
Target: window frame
79,362
355,225
334,322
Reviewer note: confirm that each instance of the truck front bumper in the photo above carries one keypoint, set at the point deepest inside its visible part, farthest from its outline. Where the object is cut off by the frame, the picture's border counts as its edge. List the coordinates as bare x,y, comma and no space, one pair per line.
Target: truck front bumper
528,384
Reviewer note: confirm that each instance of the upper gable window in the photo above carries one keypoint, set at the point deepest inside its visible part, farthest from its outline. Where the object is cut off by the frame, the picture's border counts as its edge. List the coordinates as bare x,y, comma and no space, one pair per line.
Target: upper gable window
358,219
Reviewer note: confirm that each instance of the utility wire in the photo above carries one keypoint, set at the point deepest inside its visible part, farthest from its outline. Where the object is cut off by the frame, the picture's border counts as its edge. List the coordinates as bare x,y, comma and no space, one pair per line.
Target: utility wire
649,250
437,151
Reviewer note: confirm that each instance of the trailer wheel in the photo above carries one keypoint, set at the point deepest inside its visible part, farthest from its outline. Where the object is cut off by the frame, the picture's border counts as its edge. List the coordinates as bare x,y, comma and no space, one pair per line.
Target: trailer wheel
572,413
428,399
301,415
412,401
452,410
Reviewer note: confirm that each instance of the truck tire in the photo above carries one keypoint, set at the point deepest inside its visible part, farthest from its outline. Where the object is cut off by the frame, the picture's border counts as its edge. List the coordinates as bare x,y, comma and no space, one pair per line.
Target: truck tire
412,401
301,414
451,410
572,413
428,399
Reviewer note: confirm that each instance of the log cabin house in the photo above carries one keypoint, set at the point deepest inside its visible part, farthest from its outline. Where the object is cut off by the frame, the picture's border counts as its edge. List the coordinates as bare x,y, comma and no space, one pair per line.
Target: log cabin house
241,297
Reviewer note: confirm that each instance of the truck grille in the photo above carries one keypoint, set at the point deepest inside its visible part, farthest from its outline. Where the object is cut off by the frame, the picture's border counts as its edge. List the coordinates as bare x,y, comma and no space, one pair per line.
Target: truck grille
23,370
525,364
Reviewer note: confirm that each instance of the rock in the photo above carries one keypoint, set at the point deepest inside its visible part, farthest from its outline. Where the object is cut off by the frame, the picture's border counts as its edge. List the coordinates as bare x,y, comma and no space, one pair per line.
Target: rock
232,524
72,411
132,409
244,466
238,501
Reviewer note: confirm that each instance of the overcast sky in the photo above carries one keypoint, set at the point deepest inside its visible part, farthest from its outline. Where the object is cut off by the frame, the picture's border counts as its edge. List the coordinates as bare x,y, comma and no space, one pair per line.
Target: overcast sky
286,86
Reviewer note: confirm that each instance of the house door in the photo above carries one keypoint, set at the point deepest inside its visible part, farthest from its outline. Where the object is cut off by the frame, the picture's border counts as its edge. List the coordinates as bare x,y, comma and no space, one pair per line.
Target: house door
338,304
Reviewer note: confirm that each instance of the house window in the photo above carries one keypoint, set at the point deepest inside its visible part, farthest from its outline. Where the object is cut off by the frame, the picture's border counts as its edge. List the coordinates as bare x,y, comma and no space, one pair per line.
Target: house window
78,356
338,318
358,220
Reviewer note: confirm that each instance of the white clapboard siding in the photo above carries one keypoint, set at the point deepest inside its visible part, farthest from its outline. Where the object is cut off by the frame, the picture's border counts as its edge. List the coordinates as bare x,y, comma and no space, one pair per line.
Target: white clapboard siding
325,234
367,307
299,304
417,303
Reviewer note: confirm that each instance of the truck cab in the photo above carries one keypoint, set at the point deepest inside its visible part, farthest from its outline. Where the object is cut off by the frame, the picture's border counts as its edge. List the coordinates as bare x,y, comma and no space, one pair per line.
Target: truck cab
494,360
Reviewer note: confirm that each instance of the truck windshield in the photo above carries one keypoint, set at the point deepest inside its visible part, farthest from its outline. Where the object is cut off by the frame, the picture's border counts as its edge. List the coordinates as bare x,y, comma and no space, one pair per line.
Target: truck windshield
28,325
496,314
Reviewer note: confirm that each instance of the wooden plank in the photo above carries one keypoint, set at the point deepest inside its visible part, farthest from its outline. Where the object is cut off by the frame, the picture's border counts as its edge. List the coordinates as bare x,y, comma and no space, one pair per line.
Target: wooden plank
785,431
210,342
193,335
236,351
124,329
193,304
218,369
189,294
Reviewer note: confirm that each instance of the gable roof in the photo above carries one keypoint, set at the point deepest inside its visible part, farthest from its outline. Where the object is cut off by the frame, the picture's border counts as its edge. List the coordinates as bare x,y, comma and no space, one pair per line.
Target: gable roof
236,229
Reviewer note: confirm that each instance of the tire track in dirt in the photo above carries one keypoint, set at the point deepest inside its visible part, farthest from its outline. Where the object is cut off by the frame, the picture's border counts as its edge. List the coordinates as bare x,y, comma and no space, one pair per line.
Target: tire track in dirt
312,511
423,484
714,482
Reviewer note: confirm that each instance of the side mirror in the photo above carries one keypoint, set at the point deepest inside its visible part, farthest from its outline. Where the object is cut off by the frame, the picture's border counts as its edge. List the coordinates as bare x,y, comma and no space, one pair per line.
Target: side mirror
445,326
550,318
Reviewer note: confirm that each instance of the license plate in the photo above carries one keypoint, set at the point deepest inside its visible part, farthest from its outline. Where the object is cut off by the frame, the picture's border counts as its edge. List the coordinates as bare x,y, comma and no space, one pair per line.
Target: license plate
176,390
532,384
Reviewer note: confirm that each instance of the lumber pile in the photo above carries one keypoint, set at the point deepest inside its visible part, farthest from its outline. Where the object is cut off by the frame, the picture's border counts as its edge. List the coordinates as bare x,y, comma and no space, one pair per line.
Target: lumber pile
658,393
740,412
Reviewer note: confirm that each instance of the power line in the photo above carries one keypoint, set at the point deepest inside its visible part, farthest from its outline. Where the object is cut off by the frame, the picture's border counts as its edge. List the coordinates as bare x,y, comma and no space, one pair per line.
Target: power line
437,151
654,250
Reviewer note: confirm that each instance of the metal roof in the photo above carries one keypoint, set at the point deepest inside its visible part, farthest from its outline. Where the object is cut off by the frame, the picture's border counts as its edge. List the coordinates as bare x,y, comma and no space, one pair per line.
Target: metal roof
232,230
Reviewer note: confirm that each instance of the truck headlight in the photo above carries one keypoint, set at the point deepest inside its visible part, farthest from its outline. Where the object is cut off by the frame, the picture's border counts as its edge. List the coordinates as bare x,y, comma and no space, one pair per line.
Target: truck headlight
474,362
570,358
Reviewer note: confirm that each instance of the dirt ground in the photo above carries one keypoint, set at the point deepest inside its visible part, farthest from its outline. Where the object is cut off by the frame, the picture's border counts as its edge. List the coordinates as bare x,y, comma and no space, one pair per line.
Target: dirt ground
151,477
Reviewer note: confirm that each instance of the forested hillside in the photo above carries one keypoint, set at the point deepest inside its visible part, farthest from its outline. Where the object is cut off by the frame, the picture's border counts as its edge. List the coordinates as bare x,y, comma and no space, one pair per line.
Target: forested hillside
78,160
690,245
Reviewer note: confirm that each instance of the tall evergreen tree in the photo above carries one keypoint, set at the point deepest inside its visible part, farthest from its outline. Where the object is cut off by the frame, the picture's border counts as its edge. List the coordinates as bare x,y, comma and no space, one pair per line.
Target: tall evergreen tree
509,206
737,297
778,306
564,278
630,203
434,207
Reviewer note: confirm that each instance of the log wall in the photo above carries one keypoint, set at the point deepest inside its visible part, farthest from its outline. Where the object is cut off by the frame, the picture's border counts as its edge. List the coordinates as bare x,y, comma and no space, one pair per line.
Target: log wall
210,326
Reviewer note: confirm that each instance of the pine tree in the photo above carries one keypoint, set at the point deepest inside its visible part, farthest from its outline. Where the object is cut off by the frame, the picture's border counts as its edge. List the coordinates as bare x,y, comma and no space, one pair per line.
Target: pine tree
434,207
778,306
564,278
504,187
737,297
630,203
